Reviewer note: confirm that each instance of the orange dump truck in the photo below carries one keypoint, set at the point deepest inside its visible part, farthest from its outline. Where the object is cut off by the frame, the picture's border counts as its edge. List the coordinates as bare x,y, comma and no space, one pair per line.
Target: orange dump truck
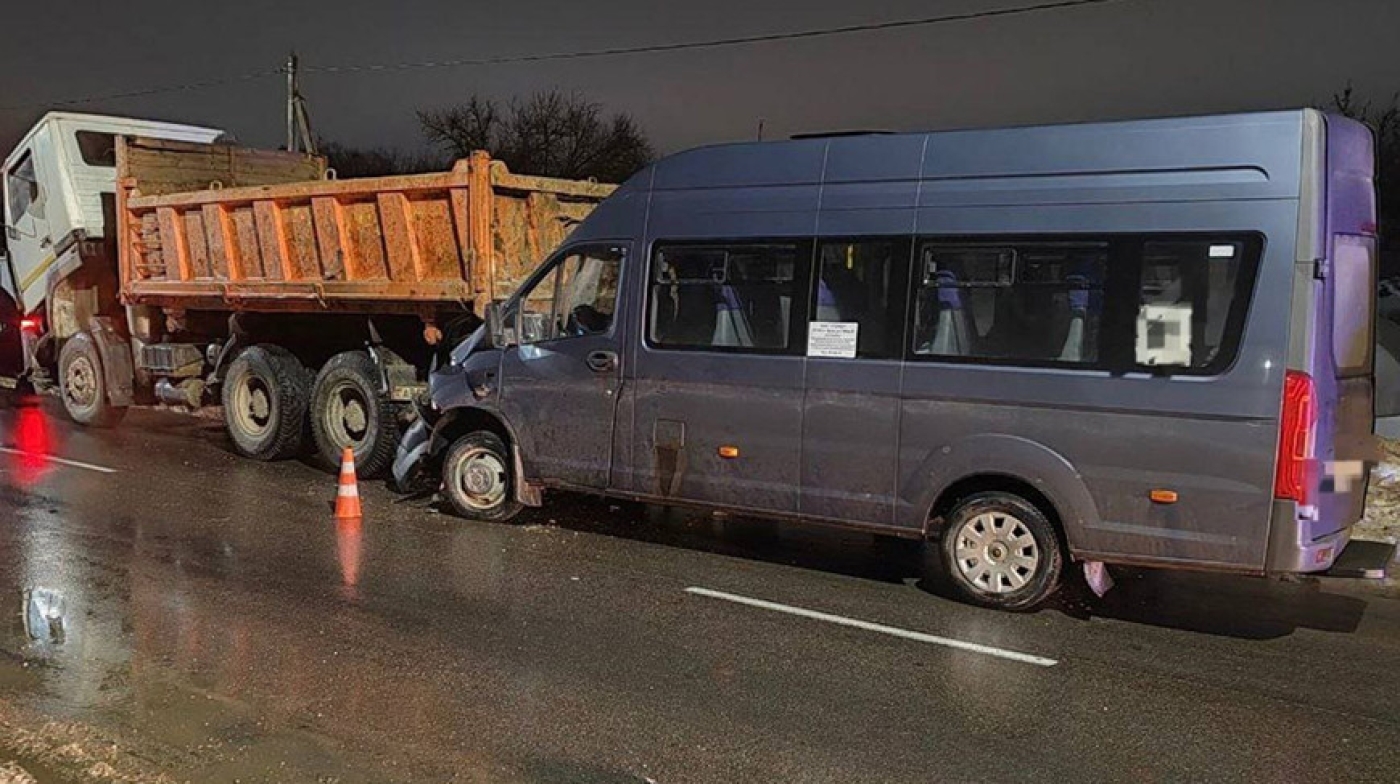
257,280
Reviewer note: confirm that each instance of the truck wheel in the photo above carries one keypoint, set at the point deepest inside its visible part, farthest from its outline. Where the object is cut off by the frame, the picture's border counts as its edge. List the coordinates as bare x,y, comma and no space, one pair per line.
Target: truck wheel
346,410
478,479
265,398
83,387
1000,551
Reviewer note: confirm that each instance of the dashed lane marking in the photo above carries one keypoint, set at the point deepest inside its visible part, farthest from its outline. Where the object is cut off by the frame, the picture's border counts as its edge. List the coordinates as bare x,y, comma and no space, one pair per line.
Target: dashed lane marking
947,642
60,461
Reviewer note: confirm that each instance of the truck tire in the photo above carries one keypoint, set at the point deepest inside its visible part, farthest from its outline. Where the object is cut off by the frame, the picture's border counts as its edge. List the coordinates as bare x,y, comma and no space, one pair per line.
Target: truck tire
265,396
999,550
347,410
83,386
478,479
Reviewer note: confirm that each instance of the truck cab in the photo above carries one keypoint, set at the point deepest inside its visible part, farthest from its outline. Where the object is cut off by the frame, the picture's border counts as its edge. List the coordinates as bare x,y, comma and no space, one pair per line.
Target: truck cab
60,227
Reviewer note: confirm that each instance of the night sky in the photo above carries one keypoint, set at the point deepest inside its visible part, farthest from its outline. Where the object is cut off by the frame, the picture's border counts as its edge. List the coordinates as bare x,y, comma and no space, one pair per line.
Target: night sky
1132,58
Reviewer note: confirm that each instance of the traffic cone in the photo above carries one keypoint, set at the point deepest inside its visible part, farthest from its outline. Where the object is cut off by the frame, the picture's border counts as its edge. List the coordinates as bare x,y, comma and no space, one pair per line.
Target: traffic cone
347,496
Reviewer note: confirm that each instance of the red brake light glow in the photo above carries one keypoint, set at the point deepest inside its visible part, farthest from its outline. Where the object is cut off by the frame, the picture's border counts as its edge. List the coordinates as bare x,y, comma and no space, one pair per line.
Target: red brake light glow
1297,434
29,324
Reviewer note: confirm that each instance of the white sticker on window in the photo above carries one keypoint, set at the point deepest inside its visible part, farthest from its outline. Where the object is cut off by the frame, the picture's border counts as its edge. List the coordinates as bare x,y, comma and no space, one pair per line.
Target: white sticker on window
1164,335
1222,251
832,339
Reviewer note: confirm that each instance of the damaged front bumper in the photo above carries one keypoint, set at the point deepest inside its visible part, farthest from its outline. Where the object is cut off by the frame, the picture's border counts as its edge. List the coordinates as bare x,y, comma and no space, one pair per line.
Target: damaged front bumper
411,461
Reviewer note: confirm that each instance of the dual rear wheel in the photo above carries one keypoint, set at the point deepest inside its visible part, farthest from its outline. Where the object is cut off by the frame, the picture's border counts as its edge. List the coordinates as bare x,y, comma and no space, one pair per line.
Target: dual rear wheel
273,404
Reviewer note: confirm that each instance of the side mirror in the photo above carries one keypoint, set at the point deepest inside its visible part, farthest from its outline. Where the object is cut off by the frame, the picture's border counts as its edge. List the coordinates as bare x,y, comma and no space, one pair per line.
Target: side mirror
493,323
500,336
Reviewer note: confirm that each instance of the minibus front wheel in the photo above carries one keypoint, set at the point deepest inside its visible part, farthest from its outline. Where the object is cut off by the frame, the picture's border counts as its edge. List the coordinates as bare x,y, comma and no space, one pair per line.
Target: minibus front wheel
478,480
1000,550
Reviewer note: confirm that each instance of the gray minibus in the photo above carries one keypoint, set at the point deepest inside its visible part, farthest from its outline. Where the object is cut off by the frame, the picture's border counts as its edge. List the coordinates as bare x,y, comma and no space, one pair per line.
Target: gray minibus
1142,343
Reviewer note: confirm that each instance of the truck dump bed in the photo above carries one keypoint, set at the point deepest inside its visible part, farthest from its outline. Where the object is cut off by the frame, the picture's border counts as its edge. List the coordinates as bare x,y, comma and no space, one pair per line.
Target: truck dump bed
222,228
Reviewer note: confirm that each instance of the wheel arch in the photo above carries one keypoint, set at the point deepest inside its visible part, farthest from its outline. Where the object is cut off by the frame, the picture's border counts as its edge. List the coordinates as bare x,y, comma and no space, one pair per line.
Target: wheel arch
1010,464
118,369
458,422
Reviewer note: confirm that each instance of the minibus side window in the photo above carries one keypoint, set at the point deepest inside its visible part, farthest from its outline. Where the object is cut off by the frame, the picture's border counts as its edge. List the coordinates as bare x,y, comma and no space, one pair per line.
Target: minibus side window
1193,296
1031,303
736,296
863,283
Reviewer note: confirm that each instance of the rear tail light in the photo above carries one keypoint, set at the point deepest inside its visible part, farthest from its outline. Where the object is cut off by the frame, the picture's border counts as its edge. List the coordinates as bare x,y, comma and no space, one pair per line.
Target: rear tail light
1293,480
31,324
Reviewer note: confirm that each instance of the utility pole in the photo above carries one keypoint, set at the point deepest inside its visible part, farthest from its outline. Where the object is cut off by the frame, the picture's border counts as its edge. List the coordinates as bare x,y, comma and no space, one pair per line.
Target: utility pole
292,102
299,136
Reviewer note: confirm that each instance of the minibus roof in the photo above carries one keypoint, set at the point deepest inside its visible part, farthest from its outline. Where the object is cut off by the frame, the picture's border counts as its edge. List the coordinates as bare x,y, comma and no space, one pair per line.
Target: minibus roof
1260,153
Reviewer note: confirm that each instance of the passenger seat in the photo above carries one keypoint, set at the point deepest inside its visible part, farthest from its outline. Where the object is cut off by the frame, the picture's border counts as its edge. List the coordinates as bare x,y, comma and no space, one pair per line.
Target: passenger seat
1073,350
731,325
952,336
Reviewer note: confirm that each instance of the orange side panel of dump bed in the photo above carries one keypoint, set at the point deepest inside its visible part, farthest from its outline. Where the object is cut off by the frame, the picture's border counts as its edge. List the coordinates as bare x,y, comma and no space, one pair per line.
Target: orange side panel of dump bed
214,227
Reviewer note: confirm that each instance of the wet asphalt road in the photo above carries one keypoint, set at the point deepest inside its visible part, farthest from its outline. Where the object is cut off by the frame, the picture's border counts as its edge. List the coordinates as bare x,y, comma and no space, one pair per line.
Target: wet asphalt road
220,625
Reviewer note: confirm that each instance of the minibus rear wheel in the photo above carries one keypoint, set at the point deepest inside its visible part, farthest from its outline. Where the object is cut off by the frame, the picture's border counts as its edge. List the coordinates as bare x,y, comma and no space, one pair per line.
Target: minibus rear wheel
478,479
1000,550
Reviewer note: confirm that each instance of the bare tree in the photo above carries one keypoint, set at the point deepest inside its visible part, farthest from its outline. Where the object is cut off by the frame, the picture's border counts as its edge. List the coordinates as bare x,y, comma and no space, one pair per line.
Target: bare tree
550,133
351,162
1385,121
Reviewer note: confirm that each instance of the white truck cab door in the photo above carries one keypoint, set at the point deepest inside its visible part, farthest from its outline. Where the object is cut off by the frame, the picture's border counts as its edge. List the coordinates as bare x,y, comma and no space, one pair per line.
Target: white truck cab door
7,281
27,226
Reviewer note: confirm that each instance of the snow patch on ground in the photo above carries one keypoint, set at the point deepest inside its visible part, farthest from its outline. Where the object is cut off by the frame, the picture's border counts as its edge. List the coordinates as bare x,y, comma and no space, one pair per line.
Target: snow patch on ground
14,774
1382,519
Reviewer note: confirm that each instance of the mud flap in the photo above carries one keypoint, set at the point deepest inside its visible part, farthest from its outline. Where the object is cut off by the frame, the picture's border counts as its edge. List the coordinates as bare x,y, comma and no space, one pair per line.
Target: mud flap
1097,576
117,369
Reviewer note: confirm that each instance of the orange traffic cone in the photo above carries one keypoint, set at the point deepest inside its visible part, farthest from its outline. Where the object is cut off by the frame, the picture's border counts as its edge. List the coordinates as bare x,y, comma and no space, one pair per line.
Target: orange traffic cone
347,496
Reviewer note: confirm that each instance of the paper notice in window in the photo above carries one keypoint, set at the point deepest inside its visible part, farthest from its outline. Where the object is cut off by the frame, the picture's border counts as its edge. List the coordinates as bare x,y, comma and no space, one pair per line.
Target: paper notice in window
832,339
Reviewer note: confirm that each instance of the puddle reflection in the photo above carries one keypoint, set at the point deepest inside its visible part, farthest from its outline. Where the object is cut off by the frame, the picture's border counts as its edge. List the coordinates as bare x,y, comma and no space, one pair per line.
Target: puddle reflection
348,539
33,439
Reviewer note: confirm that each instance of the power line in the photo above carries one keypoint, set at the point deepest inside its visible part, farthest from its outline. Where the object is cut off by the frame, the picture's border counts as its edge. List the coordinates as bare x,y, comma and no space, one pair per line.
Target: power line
716,43
144,91
710,44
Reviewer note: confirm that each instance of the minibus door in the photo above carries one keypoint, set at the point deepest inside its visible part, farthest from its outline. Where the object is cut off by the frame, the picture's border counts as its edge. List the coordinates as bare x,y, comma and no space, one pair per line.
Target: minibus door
561,383
850,423
716,396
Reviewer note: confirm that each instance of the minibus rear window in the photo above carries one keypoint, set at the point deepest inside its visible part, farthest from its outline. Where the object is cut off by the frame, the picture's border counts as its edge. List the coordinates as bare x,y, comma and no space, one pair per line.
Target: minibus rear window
1194,294
1354,307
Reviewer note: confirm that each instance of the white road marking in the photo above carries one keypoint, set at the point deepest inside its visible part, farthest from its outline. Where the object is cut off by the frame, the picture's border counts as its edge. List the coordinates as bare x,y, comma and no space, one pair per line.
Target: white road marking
60,461
986,650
